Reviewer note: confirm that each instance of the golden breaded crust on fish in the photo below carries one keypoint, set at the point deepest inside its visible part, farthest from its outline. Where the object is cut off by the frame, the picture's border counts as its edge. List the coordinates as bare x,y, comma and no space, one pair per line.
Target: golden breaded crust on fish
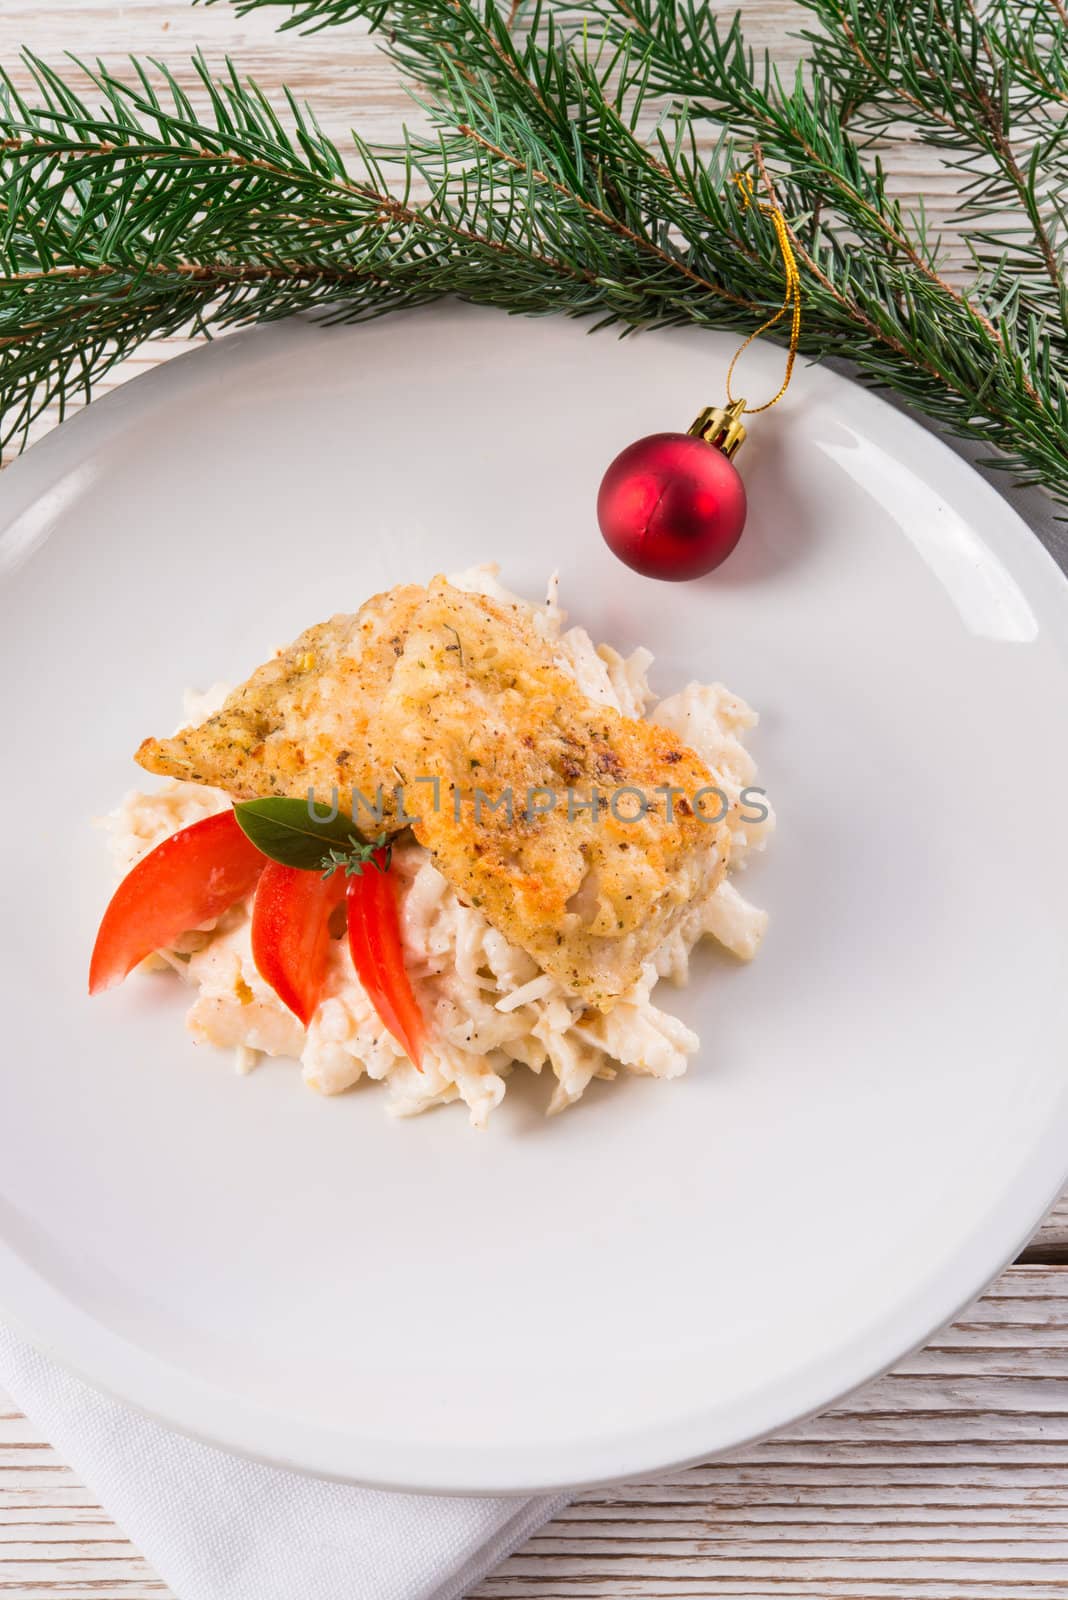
461,691
476,701
301,721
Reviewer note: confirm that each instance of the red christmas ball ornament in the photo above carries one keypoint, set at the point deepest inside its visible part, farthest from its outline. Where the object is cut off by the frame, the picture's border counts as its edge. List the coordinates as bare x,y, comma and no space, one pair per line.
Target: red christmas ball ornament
672,505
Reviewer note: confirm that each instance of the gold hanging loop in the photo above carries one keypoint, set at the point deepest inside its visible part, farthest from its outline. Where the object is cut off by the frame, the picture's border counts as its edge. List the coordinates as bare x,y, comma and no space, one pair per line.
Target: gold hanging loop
791,299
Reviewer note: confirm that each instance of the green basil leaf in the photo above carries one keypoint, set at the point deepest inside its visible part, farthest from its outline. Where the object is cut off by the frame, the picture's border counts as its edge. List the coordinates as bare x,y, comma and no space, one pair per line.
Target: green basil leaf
284,829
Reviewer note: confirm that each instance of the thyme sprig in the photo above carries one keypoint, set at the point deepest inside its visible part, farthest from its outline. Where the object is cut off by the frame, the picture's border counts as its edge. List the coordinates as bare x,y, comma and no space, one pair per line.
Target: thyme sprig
361,853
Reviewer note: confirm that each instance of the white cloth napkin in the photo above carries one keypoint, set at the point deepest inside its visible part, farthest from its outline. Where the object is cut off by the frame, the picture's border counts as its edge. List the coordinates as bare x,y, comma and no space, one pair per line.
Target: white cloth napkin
218,1527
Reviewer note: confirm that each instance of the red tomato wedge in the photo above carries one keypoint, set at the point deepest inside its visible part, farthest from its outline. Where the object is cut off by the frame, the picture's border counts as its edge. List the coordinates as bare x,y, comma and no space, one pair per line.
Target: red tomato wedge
195,875
378,956
291,933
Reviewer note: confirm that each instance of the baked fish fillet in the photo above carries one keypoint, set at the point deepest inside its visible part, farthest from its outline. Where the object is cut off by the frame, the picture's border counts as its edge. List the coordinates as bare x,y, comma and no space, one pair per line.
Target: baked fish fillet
301,721
460,691
476,701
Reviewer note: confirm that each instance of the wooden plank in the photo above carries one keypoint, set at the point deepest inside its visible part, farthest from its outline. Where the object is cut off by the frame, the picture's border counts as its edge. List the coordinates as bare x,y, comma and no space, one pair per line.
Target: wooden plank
1050,1243
55,1542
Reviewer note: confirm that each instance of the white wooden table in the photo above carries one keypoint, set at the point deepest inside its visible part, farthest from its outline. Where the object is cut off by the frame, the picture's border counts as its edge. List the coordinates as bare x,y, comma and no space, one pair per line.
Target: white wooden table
948,1479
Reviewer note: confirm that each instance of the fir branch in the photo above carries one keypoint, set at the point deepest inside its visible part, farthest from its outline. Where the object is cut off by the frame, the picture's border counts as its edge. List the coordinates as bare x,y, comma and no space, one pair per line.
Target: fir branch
988,90
544,194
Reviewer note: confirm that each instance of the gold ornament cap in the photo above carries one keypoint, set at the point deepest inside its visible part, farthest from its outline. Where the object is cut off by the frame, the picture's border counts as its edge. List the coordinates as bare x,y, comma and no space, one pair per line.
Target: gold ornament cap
721,426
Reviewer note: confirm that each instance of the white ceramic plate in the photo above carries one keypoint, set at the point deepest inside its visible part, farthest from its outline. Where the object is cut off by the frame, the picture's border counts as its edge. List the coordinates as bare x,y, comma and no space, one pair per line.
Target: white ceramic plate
879,1113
